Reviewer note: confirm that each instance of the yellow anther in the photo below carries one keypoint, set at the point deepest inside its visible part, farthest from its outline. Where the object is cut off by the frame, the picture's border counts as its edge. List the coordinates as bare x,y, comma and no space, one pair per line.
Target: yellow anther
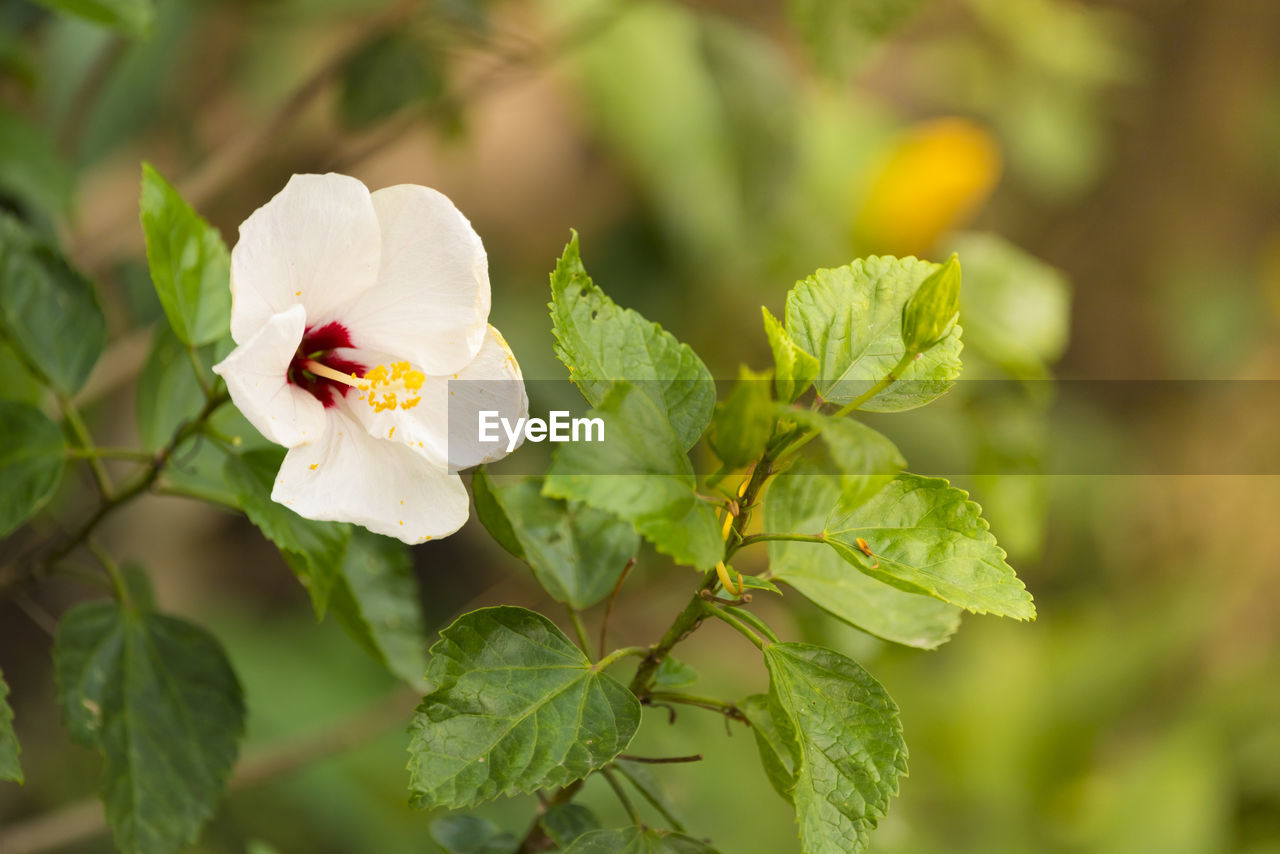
391,386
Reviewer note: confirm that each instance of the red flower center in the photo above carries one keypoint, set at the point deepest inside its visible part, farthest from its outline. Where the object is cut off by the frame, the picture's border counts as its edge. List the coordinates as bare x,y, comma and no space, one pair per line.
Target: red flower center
318,344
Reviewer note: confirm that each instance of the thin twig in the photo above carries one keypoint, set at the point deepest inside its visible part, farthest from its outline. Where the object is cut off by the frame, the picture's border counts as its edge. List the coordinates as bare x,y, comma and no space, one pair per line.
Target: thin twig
661,760
613,597
580,630
627,805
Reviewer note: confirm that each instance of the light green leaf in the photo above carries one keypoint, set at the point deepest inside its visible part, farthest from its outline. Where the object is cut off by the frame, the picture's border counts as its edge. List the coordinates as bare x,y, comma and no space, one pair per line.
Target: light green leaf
576,552
9,768
312,549
133,17
190,265
851,319
743,421
794,369
839,33
776,752
157,697
387,74
513,707
640,473
848,746
168,393
471,834
637,840
932,310
601,343
563,823
32,457
30,168
799,502
928,537
48,311
672,673
375,598
865,458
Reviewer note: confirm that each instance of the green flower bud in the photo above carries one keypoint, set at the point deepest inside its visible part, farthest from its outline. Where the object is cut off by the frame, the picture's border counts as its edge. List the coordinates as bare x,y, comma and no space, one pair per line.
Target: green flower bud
928,316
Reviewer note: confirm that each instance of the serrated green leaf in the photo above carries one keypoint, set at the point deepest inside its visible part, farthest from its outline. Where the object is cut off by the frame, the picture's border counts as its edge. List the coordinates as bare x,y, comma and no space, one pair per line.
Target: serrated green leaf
838,33
576,552
375,598
673,673
743,421
794,369
134,17
640,473
387,74
513,707
564,823
313,550
471,834
32,457
601,343
851,319
848,746
928,537
865,458
776,753
932,310
30,167
799,502
637,840
48,311
190,265
157,697
9,768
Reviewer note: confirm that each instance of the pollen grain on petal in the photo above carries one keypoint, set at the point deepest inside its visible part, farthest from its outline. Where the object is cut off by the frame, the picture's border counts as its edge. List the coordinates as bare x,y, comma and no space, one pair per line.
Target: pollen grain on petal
315,466
392,431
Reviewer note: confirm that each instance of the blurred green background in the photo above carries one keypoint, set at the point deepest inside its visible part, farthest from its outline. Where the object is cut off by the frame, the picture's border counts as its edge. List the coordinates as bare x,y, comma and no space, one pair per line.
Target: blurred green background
1109,172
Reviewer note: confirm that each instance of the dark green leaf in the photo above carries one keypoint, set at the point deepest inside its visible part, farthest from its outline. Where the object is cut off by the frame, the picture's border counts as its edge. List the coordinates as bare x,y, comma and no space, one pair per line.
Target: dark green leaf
928,537
932,310
563,823
637,840
492,515
32,456
9,768
133,17
794,369
513,707
386,75
19,384
601,343
848,747
743,421
48,310
312,549
471,834
157,697
673,673
576,552
30,168
800,502
640,473
190,265
851,319
776,753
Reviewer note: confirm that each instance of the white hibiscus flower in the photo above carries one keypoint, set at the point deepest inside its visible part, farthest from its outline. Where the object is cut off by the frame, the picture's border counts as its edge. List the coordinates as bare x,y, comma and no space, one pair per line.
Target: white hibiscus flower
361,325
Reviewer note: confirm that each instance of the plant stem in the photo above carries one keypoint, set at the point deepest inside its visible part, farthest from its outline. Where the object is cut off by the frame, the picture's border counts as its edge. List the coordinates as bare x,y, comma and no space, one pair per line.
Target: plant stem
660,760
198,370
620,653
657,804
632,813
110,454
765,537
613,597
580,630
729,710
739,626
81,432
113,571
209,496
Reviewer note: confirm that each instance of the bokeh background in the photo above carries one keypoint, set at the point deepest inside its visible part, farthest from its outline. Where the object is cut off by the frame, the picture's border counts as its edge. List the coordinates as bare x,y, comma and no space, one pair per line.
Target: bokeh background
1110,173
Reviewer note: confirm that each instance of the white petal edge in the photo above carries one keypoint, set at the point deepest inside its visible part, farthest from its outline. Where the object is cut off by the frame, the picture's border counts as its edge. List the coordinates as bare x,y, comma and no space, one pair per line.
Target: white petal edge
351,476
256,373
431,302
316,244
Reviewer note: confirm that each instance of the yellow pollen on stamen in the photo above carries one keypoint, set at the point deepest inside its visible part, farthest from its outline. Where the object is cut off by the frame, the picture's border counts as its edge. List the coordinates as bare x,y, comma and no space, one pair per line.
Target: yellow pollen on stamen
393,386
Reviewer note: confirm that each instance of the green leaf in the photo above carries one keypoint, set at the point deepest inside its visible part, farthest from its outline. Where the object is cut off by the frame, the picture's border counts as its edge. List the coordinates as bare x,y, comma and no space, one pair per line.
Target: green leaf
601,343
865,458
48,310
190,265
672,673
637,840
564,823
387,74
576,552
32,457
30,168
799,502
133,17
932,310
9,768
755,582
744,420
492,515
851,319
168,393
471,834
312,549
794,369
513,707
848,746
19,384
776,751
839,33
375,598
640,473
157,697
928,537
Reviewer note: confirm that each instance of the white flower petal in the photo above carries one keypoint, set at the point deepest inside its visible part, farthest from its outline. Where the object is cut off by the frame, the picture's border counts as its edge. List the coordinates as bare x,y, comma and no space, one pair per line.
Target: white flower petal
350,476
257,378
431,302
316,243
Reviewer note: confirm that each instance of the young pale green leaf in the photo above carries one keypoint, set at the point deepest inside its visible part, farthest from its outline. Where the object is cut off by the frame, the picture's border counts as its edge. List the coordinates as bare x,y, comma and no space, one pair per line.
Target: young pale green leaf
799,502
471,834
513,707
132,17
851,319
157,697
927,537
637,840
576,552
48,311
190,265
640,473
776,746
865,458
564,823
32,457
312,549
932,310
743,421
848,746
386,75
375,598
9,768
601,343
794,369
673,673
